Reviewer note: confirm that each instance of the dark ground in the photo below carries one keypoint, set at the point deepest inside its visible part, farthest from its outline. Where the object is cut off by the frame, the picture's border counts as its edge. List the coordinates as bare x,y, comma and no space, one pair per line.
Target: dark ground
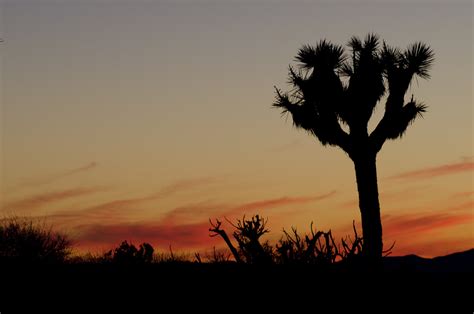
444,284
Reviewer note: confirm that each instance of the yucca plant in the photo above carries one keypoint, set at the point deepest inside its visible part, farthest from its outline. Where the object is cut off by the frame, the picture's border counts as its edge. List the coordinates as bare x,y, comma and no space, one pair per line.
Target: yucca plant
332,89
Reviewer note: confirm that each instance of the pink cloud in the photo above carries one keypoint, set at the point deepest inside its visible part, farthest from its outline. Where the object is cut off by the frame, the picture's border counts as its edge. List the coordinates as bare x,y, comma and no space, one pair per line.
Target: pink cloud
201,210
208,209
186,227
44,199
183,227
437,171
413,232
277,202
418,224
161,236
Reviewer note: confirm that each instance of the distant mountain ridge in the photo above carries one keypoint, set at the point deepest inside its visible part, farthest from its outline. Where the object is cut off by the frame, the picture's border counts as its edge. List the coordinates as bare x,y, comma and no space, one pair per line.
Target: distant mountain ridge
455,262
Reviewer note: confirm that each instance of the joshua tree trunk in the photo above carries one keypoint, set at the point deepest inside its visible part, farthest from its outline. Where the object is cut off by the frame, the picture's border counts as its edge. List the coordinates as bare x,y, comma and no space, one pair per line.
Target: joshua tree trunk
366,175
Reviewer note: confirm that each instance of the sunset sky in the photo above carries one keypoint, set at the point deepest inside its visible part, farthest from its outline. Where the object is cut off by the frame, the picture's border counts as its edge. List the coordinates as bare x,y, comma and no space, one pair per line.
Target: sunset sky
141,120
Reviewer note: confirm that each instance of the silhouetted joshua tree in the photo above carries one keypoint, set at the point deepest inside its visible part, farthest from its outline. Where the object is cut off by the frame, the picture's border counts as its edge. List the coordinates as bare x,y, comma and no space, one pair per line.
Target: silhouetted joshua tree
331,90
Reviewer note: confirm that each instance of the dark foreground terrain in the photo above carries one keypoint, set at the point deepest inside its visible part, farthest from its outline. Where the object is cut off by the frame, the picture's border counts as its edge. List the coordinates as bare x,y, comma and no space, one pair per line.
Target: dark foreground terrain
442,281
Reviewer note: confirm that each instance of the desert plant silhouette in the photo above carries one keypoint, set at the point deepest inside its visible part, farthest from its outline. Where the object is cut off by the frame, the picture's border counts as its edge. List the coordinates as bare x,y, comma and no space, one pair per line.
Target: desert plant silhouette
26,241
247,234
316,248
322,101
127,253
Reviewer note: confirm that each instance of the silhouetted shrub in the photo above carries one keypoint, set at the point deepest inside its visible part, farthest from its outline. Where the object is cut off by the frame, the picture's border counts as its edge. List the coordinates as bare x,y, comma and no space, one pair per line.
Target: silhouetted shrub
317,248
314,248
23,240
127,253
247,234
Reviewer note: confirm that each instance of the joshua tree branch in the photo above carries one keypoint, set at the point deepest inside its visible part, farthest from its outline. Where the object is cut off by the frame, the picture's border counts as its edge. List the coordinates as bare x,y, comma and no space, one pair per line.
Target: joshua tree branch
327,129
378,135
342,139
395,122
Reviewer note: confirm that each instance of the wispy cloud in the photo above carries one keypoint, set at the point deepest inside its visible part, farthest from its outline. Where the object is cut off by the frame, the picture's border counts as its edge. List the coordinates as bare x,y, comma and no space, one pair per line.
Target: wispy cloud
278,202
414,229
463,195
54,177
39,200
194,211
392,196
185,226
469,205
437,171
207,209
117,206
185,185
87,167
418,224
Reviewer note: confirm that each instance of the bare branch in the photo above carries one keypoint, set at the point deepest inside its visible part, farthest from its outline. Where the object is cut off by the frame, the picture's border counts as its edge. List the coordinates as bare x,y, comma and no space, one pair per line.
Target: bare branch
216,228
